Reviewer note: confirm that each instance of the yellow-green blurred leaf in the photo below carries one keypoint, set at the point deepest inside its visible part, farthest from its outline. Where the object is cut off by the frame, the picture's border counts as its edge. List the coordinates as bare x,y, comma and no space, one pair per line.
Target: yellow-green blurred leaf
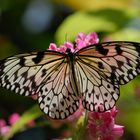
107,20
127,34
82,22
96,4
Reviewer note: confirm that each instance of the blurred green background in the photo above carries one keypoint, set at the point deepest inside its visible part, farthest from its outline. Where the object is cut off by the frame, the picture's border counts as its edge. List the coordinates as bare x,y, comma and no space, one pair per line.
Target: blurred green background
31,25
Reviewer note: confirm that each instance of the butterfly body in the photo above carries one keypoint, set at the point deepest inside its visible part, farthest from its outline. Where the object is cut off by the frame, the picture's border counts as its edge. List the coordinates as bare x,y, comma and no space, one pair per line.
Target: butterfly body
60,80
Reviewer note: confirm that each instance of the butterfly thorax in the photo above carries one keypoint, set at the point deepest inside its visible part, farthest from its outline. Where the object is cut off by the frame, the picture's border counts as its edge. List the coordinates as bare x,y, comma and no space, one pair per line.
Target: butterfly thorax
71,61
70,55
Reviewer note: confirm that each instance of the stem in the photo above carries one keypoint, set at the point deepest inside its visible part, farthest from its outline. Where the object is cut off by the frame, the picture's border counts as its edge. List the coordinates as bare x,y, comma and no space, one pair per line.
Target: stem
80,133
86,118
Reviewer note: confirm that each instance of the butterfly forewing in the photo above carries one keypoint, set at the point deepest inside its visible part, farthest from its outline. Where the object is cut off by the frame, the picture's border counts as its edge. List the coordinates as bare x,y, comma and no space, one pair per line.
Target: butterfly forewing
45,74
101,68
23,73
116,60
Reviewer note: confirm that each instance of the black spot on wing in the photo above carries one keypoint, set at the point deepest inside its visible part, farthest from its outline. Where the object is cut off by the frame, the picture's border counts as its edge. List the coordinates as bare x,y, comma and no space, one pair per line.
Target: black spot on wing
118,50
100,65
54,104
1,67
22,61
38,57
101,50
33,85
49,78
44,72
113,77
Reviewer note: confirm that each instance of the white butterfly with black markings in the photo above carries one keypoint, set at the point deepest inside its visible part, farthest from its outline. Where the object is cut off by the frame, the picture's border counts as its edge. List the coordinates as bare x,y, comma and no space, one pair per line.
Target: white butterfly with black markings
92,74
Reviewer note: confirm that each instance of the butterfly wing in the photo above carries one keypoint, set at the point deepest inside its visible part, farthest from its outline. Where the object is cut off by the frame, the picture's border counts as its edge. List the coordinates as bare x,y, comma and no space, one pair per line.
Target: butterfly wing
45,74
23,73
97,93
117,60
101,68
57,96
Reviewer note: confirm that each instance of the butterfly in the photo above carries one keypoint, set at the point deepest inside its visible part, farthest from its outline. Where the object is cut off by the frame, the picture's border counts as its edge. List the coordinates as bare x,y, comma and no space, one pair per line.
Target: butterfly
92,74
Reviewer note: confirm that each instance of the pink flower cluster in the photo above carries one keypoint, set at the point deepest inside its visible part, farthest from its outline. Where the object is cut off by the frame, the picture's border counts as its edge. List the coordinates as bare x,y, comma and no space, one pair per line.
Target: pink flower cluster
102,125
81,41
5,128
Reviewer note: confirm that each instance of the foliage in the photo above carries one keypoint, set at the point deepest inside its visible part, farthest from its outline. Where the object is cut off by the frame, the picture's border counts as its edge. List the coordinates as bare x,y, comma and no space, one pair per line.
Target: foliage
117,20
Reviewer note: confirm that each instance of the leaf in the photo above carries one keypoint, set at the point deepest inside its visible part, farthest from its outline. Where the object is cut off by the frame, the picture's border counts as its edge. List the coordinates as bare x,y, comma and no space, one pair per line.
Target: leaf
94,4
107,20
130,118
127,34
84,22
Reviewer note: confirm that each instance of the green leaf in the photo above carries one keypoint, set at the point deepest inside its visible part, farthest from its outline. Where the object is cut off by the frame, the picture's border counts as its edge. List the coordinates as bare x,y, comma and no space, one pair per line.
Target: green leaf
95,4
82,22
130,120
127,34
28,116
107,20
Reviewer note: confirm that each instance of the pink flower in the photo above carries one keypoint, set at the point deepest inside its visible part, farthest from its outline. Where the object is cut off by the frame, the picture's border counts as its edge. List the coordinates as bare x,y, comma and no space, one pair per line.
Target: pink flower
4,130
81,41
84,40
118,130
53,47
2,123
77,114
14,118
62,48
102,125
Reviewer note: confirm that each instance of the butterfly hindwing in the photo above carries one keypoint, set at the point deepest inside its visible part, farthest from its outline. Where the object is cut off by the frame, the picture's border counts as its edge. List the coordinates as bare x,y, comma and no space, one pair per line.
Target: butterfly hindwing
57,96
97,94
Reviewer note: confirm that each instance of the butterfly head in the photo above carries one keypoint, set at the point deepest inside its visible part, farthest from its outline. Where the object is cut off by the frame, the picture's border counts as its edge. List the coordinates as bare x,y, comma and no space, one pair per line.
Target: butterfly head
68,51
